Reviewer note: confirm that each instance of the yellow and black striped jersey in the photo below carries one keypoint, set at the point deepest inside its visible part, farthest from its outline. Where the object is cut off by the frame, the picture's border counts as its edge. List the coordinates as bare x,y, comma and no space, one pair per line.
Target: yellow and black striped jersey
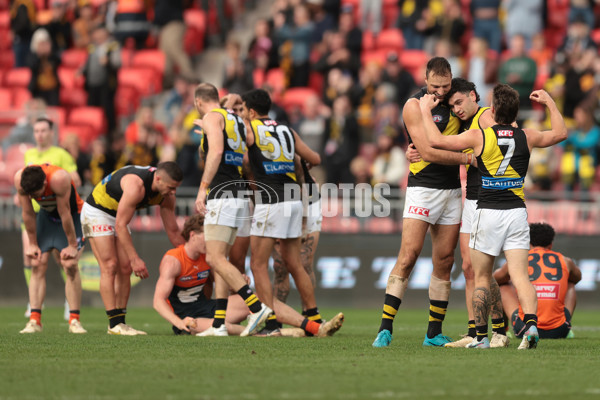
503,165
432,175
228,179
473,177
107,194
272,159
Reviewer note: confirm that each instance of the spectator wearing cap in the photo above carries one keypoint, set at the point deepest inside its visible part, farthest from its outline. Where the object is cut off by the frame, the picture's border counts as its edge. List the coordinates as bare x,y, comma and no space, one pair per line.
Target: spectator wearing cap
401,79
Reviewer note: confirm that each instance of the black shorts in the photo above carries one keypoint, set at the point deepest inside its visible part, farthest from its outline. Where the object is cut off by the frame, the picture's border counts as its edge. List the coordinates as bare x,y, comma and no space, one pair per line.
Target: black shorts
203,308
51,235
557,333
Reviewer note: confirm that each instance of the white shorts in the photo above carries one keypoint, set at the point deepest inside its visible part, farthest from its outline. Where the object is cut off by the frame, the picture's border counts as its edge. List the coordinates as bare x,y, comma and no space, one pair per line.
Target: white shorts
469,207
280,220
244,230
434,206
227,212
95,222
314,217
496,230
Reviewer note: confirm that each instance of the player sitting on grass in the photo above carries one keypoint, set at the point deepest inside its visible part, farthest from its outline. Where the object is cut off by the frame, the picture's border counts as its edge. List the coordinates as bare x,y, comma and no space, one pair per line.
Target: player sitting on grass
554,277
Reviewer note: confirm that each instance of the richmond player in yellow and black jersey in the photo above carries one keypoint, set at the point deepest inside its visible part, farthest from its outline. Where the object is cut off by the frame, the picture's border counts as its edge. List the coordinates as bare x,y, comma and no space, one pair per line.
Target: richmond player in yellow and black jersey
272,149
433,200
500,222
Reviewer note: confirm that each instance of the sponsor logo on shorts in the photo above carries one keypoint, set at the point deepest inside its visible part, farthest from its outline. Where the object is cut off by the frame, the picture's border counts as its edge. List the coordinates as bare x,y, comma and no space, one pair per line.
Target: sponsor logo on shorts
505,133
547,291
103,228
437,118
418,211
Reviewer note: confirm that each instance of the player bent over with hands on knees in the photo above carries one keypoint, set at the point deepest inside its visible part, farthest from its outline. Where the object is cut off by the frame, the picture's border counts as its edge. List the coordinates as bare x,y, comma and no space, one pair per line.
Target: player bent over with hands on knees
500,221
180,295
105,217
554,277
55,228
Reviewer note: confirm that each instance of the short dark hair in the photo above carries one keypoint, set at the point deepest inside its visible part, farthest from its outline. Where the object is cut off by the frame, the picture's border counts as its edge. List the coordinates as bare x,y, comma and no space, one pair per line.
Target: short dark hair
32,179
506,104
461,85
171,169
439,66
257,100
541,234
206,92
194,223
47,120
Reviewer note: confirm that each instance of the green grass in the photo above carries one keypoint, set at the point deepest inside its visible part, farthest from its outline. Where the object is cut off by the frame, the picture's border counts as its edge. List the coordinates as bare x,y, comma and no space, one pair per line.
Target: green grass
56,365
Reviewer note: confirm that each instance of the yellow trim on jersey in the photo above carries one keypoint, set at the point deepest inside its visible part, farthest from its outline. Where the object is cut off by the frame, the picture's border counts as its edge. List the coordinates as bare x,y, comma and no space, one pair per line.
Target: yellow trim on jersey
268,149
451,129
492,158
102,198
475,125
235,141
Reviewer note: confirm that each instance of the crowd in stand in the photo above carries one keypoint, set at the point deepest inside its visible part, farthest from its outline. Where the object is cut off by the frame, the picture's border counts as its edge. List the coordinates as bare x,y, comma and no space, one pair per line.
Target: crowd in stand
339,71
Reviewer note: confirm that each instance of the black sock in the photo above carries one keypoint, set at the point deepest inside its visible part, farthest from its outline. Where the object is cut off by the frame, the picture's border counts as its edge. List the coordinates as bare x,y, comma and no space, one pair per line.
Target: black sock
313,314
482,332
115,317
390,309
472,331
272,323
220,308
437,313
530,320
498,326
250,299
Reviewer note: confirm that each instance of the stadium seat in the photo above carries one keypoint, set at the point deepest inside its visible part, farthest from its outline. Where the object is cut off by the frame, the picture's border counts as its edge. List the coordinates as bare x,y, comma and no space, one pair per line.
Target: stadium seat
4,19
390,39
377,56
5,39
20,96
84,133
296,97
390,13
73,97
258,77
143,80
74,58
368,41
15,153
196,19
5,99
18,77
69,79
154,59
126,57
276,80
414,61
127,100
58,115
7,59
89,116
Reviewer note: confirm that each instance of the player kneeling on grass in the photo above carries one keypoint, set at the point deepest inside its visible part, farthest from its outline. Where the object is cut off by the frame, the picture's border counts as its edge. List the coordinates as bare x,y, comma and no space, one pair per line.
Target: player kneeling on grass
554,277
180,296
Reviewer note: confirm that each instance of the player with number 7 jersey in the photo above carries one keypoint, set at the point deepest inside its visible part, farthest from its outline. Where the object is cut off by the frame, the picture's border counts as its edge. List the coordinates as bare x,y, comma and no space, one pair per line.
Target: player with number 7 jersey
500,221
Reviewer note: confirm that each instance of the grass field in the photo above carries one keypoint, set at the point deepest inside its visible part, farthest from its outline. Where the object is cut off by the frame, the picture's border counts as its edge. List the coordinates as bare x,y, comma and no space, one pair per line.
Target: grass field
57,365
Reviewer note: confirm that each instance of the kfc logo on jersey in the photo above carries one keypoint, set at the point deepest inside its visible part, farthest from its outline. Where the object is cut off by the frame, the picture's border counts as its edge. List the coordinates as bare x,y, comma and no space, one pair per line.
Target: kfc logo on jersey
437,118
547,291
419,211
103,228
505,133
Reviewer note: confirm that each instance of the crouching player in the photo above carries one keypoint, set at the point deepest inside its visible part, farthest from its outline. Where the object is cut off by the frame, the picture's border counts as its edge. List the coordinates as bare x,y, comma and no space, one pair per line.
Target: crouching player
180,297
554,277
